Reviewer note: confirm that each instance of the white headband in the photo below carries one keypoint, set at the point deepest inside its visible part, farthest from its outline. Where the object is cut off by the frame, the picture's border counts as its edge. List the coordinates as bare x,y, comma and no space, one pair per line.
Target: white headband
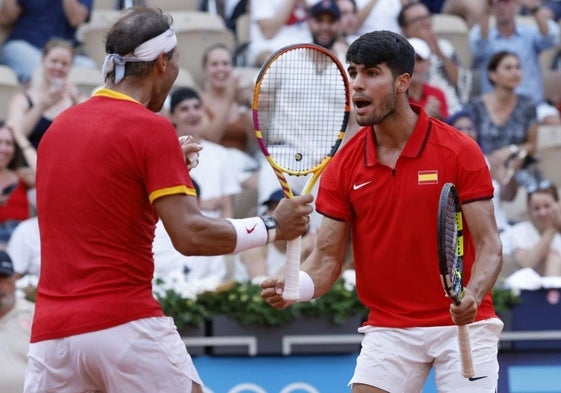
147,51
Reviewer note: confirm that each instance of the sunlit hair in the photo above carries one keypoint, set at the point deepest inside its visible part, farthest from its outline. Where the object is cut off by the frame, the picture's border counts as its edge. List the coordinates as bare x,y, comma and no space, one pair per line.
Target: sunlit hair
382,46
496,59
58,43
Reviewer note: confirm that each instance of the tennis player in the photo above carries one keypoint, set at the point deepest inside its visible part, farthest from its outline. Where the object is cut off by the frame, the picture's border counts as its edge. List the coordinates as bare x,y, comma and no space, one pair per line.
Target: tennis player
107,169
383,186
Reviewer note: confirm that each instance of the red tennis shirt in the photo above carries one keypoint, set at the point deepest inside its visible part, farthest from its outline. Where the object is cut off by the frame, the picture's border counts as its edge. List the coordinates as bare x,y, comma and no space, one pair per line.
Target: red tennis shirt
100,165
393,213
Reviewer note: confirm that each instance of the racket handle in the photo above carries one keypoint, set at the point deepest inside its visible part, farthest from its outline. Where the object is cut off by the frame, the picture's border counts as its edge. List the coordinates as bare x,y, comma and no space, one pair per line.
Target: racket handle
292,269
465,351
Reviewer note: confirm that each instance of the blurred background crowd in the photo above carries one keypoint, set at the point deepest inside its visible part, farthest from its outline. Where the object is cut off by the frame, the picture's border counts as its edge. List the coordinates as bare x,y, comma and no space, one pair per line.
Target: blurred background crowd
490,68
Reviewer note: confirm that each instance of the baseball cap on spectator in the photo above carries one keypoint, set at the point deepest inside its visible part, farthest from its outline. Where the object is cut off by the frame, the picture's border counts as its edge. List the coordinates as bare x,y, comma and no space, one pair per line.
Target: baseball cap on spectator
275,197
325,6
422,49
6,266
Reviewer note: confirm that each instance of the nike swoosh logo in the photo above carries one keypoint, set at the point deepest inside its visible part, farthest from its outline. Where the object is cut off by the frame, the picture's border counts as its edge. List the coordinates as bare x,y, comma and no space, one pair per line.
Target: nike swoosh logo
476,378
250,230
357,186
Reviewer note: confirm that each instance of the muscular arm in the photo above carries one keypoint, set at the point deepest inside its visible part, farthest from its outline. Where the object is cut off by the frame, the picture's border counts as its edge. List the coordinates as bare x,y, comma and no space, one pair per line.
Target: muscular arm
195,234
480,218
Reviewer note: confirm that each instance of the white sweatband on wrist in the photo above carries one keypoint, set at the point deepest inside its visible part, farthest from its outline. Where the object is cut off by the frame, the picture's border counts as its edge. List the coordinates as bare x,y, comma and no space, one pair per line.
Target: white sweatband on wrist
306,287
250,233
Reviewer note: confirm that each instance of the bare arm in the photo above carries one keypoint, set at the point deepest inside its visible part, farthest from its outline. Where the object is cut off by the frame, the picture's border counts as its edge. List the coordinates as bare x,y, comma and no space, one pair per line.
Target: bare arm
270,27
10,11
76,12
323,265
480,219
195,234
363,13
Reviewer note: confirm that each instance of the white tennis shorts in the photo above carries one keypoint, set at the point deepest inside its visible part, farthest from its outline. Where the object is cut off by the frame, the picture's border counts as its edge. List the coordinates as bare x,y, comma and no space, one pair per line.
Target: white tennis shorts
146,355
399,360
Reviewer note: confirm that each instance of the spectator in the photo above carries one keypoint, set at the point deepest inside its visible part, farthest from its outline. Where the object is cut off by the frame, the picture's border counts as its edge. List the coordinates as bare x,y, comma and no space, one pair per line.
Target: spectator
421,93
325,26
50,93
24,247
14,204
536,243
527,41
378,15
32,24
348,21
275,24
213,174
505,119
504,190
446,71
16,315
227,116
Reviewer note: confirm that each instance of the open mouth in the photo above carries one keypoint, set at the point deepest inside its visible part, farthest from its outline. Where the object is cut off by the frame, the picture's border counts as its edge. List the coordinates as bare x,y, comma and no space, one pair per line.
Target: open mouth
361,103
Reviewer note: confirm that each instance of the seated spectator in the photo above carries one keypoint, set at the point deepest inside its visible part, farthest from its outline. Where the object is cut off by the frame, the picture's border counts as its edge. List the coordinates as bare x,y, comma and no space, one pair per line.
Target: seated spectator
49,94
504,190
24,247
227,117
32,23
536,243
16,316
421,93
527,41
325,26
378,15
214,173
446,71
275,24
14,203
506,120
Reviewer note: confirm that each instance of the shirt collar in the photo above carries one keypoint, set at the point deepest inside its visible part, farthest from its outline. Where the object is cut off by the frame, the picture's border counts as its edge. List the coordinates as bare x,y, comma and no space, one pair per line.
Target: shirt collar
414,145
105,92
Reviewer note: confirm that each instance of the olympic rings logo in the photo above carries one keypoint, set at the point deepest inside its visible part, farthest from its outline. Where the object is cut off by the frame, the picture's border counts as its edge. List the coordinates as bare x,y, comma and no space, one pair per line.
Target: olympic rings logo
295,387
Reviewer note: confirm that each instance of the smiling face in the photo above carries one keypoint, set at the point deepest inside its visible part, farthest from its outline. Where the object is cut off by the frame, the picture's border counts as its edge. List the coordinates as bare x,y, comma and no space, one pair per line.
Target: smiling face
324,28
57,62
541,208
218,67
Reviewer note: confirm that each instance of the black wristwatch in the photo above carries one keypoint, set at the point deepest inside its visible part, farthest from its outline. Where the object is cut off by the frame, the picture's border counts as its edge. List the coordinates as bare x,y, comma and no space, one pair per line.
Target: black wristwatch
271,226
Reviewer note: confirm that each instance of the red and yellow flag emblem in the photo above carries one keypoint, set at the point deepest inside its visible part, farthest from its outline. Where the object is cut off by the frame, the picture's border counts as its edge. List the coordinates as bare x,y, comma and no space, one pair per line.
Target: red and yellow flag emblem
427,177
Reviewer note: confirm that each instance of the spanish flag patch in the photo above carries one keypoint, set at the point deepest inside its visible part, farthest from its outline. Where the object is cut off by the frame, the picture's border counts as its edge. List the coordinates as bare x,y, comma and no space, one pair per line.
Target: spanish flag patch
427,177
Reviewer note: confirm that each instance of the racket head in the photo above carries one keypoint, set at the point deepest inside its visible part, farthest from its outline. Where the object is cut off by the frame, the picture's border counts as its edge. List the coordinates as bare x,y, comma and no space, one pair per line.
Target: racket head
301,107
451,242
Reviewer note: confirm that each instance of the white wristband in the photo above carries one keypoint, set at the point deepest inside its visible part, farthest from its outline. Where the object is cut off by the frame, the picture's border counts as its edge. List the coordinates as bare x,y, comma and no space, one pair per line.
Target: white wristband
306,287
250,233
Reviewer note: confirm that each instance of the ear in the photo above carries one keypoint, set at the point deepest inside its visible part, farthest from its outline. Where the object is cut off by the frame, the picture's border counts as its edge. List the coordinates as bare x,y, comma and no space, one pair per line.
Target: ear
402,83
161,62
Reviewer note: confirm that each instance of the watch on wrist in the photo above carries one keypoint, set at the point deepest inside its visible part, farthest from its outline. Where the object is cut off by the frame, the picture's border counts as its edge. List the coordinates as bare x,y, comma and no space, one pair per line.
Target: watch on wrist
534,9
271,226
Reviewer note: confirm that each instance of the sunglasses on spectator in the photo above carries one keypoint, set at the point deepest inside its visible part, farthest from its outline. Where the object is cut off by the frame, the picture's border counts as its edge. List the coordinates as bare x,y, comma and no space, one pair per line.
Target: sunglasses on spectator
542,185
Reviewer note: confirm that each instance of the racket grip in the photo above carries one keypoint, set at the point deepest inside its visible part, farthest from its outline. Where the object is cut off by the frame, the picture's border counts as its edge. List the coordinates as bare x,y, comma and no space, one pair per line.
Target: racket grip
292,269
465,351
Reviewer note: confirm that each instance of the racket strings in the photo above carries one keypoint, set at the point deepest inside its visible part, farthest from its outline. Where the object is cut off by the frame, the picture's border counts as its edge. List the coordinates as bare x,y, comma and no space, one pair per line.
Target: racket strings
452,247
301,108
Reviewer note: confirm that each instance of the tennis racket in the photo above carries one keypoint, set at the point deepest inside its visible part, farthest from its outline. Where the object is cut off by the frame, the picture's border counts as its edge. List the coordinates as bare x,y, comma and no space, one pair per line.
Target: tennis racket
450,255
301,105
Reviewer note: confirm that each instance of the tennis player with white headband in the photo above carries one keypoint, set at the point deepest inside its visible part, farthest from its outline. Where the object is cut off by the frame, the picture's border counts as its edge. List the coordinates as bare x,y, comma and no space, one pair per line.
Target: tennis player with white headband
107,169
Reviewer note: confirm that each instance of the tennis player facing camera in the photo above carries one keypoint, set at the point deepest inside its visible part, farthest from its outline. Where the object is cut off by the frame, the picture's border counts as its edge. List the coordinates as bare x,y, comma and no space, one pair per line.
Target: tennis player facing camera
107,169
383,187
